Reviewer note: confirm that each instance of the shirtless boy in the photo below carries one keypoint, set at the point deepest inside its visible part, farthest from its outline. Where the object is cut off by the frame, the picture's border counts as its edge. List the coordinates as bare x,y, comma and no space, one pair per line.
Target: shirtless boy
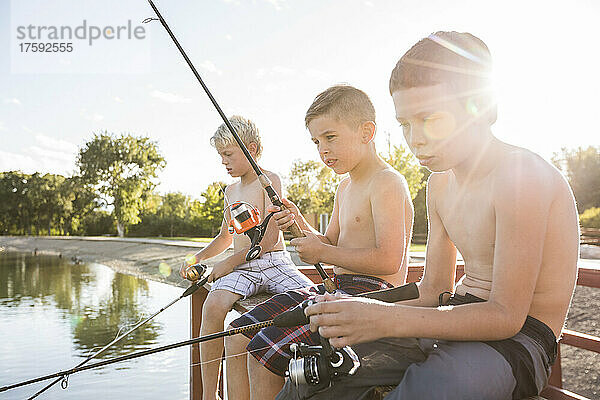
233,278
510,214
367,239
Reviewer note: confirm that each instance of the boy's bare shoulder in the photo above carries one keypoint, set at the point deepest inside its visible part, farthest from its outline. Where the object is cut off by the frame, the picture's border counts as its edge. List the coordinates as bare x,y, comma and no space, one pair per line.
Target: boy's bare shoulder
523,170
437,183
388,180
271,175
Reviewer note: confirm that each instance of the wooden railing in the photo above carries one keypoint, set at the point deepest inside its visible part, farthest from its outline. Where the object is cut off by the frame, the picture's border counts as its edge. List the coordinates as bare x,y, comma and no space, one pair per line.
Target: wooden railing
554,390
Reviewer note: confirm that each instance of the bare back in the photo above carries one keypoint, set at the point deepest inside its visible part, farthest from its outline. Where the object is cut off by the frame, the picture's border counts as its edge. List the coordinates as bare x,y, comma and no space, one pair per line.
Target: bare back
469,215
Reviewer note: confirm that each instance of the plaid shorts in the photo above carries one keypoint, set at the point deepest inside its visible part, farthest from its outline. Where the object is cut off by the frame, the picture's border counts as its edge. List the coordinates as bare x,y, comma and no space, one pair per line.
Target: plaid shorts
273,272
270,346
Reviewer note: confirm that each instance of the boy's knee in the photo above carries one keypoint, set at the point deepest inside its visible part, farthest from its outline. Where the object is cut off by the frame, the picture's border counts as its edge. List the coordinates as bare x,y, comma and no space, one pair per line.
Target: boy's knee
236,342
216,304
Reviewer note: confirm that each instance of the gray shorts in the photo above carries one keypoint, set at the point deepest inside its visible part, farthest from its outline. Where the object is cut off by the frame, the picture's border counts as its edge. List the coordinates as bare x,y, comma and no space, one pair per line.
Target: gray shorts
513,368
273,272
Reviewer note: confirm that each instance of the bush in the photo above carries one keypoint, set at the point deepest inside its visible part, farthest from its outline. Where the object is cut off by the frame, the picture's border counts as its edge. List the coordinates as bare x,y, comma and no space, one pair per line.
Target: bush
590,218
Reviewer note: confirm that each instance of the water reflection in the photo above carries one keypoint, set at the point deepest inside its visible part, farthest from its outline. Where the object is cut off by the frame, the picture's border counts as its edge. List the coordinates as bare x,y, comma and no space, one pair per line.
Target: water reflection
94,300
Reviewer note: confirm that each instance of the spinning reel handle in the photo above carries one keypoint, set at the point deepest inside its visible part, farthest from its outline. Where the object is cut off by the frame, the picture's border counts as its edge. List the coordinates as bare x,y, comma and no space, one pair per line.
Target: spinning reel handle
195,272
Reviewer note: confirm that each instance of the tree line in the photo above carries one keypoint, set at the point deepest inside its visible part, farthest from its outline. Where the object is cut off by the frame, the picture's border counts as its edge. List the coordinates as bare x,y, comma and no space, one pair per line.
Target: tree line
113,192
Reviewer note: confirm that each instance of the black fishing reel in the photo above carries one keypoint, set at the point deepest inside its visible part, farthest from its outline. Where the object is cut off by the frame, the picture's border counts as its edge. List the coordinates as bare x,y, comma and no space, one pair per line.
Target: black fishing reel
320,365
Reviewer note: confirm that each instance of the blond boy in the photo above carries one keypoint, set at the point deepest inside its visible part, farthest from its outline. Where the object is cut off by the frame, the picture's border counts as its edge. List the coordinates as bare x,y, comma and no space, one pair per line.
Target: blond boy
366,241
233,278
511,215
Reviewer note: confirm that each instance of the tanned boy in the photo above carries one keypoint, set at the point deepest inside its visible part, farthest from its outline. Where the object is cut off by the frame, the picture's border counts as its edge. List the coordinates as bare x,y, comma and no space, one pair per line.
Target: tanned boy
511,215
233,278
366,240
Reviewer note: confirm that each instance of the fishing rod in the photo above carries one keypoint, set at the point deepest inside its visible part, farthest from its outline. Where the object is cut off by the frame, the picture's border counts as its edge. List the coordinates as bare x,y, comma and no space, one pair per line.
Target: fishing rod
64,378
290,318
262,178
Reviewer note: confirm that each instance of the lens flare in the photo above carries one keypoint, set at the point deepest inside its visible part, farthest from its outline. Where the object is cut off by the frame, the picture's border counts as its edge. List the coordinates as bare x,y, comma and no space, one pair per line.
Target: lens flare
76,320
164,269
439,125
471,107
190,259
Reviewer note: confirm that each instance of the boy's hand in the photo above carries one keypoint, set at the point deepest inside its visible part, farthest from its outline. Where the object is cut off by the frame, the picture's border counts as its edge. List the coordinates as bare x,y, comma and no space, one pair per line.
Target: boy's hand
286,217
219,270
347,320
189,260
309,247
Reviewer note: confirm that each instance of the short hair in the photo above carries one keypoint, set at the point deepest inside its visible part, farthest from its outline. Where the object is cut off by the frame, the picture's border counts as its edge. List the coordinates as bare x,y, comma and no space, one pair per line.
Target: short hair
246,130
344,103
458,59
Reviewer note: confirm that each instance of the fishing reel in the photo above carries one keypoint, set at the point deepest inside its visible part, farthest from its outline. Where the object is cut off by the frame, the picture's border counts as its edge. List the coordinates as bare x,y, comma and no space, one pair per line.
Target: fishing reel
245,218
320,365
195,272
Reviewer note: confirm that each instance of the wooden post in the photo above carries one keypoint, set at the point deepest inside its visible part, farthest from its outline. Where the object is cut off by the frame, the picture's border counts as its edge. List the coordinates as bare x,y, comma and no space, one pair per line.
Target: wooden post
196,304
555,378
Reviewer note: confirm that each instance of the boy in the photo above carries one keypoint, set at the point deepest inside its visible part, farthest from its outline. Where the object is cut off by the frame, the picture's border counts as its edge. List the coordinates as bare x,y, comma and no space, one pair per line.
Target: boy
367,239
510,214
233,278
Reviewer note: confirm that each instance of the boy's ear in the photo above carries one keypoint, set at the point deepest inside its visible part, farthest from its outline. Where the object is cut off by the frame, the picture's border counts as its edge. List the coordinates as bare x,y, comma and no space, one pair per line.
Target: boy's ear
367,131
252,147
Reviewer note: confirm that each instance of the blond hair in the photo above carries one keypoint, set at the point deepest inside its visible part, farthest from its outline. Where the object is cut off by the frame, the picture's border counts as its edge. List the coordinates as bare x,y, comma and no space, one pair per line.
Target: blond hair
246,130
345,103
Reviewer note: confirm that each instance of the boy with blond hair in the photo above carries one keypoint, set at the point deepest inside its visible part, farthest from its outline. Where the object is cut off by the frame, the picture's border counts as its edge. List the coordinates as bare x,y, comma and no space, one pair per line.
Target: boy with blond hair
233,278
511,215
367,239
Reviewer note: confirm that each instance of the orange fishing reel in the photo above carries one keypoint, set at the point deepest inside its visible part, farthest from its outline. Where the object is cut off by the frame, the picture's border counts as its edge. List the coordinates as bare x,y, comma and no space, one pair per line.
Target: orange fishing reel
245,218
195,272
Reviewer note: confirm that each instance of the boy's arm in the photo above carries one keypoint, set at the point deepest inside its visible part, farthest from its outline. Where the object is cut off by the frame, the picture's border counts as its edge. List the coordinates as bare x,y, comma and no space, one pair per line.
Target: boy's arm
522,204
390,205
219,244
440,254
284,219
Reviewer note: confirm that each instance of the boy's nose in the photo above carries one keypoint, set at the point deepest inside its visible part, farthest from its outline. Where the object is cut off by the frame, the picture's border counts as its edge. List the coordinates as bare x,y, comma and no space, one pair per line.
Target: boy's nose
417,138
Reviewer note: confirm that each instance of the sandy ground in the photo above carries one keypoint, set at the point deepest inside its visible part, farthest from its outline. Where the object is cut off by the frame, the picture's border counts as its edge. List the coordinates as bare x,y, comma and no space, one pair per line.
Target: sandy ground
142,257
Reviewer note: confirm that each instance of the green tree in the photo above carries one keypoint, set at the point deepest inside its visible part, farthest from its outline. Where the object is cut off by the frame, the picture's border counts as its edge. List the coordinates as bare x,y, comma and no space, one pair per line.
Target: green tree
416,176
173,210
81,201
121,169
590,218
211,211
311,186
582,169
404,162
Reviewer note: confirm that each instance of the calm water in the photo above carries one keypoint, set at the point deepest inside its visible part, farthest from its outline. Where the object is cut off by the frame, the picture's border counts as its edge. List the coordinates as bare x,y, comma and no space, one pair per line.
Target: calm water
53,314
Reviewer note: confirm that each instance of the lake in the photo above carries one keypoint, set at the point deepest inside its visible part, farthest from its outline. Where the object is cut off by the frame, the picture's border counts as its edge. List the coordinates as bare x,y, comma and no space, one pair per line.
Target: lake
53,314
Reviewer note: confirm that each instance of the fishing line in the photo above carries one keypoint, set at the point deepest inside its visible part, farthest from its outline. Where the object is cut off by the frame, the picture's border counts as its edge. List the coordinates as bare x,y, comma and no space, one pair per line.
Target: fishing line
229,356
64,378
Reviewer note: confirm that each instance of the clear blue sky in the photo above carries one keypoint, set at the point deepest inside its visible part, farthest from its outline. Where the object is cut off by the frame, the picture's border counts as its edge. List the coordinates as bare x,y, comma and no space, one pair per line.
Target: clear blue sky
267,59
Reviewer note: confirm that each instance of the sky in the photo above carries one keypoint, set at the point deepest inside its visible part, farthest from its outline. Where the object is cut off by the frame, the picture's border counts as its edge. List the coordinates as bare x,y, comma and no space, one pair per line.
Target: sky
267,60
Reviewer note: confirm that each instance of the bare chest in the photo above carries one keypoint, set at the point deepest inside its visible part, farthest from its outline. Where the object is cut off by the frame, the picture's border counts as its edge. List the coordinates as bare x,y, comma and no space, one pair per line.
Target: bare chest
355,218
252,194
469,219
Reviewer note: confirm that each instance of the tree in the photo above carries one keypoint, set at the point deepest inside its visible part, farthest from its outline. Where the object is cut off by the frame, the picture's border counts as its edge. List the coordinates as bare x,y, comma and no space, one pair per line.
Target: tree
121,169
404,162
81,201
416,176
312,187
174,209
211,215
582,168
